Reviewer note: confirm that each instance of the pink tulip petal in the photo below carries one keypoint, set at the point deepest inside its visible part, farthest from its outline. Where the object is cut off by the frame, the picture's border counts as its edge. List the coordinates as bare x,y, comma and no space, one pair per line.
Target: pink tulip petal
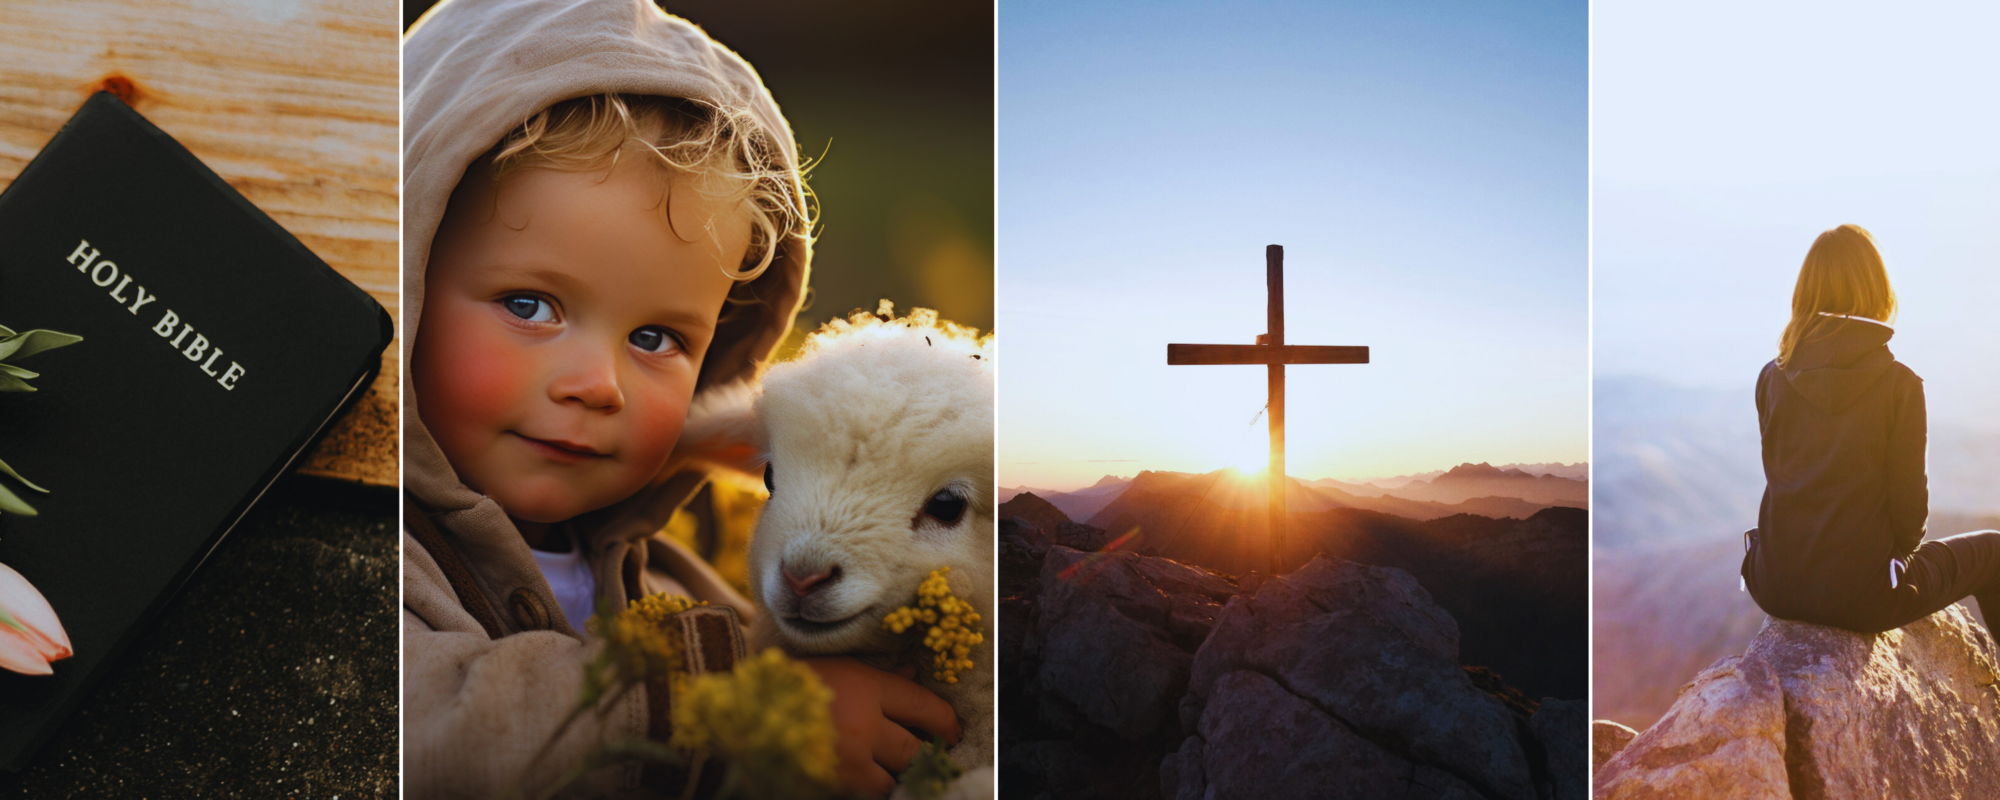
49,649
22,600
17,654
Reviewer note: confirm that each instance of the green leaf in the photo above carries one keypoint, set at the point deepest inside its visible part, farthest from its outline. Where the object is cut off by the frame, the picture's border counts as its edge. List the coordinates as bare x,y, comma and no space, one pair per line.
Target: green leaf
9,383
13,504
18,372
6,331
36,341
9,471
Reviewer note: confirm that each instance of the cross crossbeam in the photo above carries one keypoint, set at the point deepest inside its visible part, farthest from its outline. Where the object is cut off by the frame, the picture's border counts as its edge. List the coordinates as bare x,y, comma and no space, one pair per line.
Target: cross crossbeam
1271,351
1265,354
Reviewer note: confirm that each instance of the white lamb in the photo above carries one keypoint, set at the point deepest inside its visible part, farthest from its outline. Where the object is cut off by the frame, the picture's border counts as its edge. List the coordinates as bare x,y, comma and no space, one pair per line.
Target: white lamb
880,439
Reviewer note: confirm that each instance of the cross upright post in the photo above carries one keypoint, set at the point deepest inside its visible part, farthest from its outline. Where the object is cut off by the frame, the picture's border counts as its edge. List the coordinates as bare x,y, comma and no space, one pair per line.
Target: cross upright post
1271,351
1274,286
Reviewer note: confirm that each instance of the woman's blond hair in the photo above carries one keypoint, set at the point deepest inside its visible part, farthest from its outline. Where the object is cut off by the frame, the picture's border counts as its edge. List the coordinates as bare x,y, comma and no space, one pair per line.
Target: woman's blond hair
1843,274
719,146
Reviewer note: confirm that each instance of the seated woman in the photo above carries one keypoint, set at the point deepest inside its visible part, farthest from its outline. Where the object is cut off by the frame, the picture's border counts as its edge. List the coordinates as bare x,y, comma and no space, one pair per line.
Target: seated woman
1839,536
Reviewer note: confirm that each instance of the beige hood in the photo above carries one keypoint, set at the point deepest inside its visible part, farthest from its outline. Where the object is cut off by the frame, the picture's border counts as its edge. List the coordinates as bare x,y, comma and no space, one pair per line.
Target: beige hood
472,71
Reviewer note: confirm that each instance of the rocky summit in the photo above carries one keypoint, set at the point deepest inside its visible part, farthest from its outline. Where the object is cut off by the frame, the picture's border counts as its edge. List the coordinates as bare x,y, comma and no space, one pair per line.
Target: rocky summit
1345,674
1132,676
1814,712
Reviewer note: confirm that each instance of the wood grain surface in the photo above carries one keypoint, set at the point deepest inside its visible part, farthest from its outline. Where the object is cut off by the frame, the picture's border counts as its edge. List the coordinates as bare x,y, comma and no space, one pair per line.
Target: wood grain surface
293,102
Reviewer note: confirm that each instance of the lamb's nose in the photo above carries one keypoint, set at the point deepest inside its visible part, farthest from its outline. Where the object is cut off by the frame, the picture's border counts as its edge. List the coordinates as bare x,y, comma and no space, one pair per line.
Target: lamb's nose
802,586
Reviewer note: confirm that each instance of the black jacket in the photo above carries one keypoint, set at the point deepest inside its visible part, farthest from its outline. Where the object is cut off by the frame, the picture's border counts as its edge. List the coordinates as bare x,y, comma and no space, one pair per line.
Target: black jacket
1844,484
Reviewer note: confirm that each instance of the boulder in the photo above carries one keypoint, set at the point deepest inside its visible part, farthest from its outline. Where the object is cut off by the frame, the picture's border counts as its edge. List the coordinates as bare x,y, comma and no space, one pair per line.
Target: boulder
1816,712
1114,635
1056,767
1272,743
1606,739
1023,544
1344,674
1078,536
1560,727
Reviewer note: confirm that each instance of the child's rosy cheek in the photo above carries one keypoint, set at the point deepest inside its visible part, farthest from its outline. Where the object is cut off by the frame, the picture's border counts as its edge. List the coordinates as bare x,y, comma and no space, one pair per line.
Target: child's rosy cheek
661,427
487,376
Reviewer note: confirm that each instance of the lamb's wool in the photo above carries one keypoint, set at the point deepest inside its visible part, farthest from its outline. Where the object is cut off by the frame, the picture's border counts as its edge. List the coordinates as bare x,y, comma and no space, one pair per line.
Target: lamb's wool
876,417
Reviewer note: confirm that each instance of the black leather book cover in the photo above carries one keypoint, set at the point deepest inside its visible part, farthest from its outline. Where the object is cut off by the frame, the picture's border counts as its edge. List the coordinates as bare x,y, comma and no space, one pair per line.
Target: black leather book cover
215,349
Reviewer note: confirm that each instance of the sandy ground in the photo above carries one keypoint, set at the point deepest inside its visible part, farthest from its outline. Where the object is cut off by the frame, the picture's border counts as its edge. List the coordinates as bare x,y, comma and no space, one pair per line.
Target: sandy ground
272,674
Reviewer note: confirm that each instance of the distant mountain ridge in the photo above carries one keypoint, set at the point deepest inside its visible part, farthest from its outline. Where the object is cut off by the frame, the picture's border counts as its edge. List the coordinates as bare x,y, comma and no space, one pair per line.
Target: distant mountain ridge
1576,471
1467,481
1509,490
1235,490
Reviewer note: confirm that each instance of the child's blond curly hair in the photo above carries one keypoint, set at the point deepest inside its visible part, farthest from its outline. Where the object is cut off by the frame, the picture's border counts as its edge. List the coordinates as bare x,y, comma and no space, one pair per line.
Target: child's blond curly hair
719,146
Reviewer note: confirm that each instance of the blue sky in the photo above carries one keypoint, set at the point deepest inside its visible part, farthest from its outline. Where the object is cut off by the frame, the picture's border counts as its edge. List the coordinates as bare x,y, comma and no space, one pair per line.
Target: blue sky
1425,169
1723,149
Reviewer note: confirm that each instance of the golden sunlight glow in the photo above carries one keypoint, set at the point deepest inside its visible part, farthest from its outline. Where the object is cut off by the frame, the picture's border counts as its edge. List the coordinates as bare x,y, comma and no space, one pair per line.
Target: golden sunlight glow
1251,456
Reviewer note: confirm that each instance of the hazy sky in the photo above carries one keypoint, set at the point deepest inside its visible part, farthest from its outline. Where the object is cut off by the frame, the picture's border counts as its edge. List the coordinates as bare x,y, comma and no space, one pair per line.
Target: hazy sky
1425,169
1727,136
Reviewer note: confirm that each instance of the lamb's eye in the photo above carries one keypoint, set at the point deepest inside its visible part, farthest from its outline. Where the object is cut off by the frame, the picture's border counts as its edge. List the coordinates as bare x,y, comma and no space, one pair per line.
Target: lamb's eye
945,507
768,486
529,307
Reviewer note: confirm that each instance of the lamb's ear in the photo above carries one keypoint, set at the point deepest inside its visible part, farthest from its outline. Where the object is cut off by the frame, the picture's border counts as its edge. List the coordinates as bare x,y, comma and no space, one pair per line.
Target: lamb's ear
722,431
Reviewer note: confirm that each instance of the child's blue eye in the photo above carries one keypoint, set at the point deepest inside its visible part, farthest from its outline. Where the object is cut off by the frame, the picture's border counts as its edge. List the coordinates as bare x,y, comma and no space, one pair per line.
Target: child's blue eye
529,307
652,340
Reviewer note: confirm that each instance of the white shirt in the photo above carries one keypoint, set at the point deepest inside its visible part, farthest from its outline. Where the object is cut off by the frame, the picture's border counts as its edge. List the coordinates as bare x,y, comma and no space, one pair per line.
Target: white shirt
568,575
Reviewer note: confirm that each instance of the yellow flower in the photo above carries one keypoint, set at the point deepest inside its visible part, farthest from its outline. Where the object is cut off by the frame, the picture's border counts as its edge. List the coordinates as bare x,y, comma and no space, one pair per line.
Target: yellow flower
656,608
954,626
636,640
770,718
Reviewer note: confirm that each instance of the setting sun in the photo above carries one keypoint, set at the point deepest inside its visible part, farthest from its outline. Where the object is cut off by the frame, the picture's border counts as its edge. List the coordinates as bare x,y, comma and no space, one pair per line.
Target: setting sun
1250,455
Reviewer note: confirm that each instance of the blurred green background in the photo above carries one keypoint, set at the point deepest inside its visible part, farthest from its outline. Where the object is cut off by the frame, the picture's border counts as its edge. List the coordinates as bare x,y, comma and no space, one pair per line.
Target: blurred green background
898,96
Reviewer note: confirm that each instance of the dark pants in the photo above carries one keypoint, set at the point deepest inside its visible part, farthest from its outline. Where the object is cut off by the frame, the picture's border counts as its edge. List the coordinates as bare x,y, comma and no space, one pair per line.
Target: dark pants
1945,571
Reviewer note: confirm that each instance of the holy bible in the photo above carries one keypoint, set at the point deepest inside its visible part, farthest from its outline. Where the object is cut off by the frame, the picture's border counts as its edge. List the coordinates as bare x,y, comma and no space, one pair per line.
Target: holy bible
216,348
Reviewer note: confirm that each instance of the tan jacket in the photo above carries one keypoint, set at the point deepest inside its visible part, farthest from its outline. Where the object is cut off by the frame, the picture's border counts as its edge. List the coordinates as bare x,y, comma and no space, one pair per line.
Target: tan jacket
490,666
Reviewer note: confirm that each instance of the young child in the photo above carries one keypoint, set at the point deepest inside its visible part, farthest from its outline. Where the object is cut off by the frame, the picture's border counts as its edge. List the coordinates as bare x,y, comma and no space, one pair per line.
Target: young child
604,224
1846,500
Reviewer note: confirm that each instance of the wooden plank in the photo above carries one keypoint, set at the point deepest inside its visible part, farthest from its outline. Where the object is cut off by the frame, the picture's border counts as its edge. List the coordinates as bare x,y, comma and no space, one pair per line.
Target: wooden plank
294,103
1274,338
1265,354
1274,295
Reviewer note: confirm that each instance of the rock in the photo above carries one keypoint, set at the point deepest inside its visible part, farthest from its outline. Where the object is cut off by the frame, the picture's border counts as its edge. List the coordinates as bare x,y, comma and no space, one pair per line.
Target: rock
1816,712
1559,727
1054,766
1180,580
1114,636
1606,739
1194,598
1491,683
1022,543
1078,536
1724,737
1344,674
1263,741
1183,769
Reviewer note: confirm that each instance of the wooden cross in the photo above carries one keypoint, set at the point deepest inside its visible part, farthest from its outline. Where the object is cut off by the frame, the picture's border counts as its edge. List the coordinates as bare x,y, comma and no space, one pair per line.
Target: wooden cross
1271,350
